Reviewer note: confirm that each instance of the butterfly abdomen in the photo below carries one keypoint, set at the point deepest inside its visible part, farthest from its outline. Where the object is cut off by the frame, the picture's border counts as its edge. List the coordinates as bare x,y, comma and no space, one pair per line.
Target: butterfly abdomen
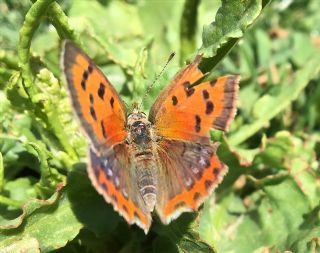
146,173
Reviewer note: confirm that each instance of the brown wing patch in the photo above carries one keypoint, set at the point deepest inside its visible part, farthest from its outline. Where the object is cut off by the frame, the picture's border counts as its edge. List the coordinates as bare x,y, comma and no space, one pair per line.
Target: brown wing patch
187,113
111,177
190,172
192,198
97,104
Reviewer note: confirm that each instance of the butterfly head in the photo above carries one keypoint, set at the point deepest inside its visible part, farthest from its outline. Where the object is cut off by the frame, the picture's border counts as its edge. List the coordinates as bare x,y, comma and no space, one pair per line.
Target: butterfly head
139,127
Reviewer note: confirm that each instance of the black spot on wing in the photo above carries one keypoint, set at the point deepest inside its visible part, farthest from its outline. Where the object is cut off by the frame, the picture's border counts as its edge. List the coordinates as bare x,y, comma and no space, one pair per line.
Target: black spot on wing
213,82
174,100
216,172
104,133
91,99
111,101
93,113
101,91
209,107
85,76
196,196
83,84
198,123
90,69
205,94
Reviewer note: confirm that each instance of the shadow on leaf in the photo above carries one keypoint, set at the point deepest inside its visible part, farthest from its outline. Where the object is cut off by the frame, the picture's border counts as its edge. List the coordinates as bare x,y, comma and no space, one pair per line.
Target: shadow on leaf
89,207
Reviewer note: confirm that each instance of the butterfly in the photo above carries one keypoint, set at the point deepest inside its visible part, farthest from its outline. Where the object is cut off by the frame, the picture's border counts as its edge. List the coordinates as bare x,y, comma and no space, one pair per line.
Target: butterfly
165,161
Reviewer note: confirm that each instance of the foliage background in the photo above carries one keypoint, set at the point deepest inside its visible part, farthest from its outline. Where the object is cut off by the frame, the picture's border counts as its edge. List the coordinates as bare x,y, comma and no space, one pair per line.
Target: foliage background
268,202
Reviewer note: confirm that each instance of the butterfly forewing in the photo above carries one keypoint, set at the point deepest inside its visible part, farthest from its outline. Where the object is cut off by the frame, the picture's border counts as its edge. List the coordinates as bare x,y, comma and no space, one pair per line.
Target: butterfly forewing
187,112
97,104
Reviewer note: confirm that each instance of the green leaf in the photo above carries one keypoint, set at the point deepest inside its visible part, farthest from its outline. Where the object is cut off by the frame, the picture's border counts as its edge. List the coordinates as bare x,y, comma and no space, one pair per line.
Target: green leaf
21,189
188,28
51,222
89,206
271,215
303,49
27,244
231,21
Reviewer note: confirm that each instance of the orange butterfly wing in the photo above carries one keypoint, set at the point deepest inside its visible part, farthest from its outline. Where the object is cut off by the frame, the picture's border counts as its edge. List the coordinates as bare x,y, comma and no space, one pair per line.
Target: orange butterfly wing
97,104
102,115
183,115
187,113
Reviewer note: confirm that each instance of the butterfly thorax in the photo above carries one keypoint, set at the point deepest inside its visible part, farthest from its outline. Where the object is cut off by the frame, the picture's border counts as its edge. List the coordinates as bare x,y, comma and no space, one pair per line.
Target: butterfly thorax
139,129
142,151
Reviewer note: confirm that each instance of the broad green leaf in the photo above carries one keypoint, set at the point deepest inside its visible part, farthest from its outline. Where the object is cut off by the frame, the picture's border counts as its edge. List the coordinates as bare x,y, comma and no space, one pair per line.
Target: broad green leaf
215,215
51,222
21,189
90,207
231,21
30,245
110,25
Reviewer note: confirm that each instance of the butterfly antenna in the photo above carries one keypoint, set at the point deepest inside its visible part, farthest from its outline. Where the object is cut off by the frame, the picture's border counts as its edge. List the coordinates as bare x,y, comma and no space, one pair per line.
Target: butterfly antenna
156,79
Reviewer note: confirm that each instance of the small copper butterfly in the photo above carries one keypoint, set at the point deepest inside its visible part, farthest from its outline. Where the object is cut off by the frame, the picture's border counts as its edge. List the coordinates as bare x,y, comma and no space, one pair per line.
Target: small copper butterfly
165,161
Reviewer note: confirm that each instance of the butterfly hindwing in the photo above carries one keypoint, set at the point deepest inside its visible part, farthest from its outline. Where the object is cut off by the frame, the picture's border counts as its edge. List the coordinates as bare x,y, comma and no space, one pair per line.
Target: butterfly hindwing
112,175
189,173
184,112
95,101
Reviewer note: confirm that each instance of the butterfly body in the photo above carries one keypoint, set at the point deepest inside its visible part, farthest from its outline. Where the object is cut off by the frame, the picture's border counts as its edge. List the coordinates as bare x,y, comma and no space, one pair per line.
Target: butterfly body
141,145
164,162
